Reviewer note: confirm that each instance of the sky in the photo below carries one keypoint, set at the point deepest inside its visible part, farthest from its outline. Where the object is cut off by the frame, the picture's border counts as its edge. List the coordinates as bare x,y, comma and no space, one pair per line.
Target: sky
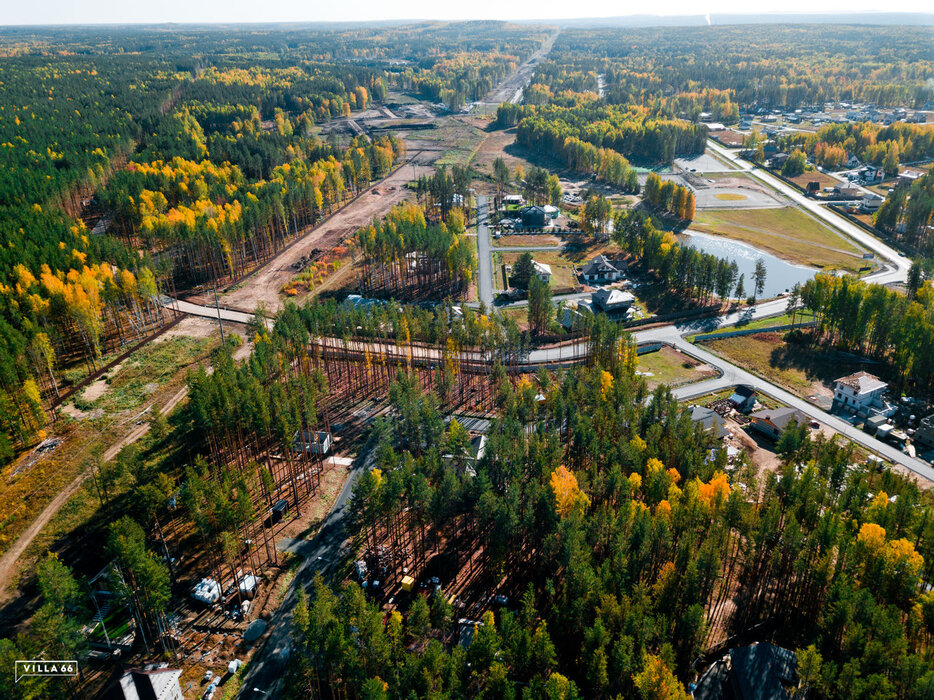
149,11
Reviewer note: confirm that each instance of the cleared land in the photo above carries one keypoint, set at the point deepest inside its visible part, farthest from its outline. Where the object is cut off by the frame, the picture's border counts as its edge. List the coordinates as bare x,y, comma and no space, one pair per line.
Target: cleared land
805,370
824,179
153,375
266,284
705,163
668,366
530,240
787,232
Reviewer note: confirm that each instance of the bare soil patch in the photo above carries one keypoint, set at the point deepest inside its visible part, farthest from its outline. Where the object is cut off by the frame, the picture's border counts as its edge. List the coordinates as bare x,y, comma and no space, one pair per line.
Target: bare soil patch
264,285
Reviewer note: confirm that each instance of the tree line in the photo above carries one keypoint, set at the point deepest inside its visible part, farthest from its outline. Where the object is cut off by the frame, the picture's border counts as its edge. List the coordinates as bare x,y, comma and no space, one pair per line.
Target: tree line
669,197
884,146
879,322
404,257
765,65
632,132
908,213
680,267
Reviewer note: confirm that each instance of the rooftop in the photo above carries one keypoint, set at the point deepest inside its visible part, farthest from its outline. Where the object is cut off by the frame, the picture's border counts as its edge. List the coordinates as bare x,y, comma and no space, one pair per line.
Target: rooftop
710,419
780,417
862,382
612,297
598,265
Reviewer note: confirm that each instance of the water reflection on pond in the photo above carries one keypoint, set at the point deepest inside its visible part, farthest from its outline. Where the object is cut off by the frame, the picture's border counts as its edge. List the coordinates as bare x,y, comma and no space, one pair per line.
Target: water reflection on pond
781,276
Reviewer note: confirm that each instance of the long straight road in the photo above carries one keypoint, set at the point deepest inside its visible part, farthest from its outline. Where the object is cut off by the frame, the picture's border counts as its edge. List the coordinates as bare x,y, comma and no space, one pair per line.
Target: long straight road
510,90
898,270
484,253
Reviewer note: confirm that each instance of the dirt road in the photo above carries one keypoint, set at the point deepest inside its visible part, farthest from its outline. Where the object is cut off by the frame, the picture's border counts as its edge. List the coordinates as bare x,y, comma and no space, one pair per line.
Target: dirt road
510,89
264,285
8,562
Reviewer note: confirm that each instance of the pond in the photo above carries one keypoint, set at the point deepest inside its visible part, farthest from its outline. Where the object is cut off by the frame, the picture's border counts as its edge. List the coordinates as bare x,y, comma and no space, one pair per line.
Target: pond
781,277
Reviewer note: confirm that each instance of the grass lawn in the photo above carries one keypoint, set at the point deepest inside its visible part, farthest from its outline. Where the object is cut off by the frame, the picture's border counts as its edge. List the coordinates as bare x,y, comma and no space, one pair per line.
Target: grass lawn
805,370
759,353
668,366
824,179
787,232
538,239
783,320
562,269
519,314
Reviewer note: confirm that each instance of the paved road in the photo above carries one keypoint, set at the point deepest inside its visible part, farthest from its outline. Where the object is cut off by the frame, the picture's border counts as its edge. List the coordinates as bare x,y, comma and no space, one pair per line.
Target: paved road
211,312
269,666
484,253
733,375
897,271
510,90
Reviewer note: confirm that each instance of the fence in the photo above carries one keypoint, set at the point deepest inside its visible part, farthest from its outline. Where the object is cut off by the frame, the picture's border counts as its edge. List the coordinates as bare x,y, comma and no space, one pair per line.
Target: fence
751,331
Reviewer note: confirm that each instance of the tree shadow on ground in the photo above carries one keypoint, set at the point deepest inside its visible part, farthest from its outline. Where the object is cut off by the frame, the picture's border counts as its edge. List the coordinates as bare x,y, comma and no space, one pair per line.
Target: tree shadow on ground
796,352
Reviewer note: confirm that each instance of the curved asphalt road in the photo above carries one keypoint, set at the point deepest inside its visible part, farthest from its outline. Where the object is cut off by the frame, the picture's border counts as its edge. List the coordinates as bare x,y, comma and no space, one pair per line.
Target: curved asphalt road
269,666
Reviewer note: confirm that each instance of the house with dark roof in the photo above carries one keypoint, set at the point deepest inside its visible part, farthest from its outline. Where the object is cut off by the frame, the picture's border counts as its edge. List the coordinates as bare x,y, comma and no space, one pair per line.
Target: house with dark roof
611,300
760,671
925,432
711,421
534,217
773,421
600,270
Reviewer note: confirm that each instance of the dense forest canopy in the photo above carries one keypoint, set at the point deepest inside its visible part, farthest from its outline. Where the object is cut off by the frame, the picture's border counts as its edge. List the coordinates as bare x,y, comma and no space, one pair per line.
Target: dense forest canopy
769,65
621,531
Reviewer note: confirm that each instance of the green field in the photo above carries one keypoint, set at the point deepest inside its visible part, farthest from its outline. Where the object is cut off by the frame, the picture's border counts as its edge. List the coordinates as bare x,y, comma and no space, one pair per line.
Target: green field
787,232
562,269
668,366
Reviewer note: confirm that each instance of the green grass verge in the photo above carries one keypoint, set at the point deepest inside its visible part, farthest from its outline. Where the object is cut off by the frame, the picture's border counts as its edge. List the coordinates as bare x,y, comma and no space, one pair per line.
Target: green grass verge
787,232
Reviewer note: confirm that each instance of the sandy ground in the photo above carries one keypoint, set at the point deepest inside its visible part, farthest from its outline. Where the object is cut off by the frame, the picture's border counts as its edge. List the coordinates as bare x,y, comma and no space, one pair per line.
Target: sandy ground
265,284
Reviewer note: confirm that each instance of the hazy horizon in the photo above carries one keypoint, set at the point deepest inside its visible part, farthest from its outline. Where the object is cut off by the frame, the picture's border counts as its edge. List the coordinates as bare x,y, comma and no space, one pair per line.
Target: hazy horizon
96,12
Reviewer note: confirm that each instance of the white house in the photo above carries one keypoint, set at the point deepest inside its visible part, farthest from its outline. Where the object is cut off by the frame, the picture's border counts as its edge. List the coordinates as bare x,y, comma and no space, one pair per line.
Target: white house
156,682
542,270
871,202
860,393
907,177
513,201
312,442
